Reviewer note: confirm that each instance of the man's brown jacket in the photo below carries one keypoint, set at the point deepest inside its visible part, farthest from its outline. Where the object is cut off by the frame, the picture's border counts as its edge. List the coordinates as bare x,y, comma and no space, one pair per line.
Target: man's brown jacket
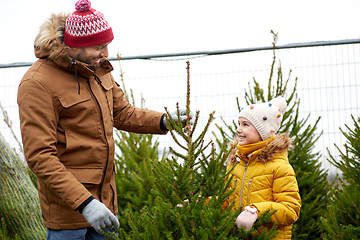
67,114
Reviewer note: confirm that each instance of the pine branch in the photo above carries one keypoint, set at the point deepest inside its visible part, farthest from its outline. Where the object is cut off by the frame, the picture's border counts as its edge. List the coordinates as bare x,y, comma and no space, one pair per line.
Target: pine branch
197,113
183,230
178,154
9,124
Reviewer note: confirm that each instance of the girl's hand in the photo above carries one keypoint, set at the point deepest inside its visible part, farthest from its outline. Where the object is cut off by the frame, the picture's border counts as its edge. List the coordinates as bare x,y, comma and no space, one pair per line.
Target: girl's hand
247,218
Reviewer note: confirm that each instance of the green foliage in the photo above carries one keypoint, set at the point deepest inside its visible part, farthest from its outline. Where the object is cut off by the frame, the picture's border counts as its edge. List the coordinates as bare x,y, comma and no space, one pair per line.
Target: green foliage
349,164
313,186
190,187
3,232
134,177
19,203
342,221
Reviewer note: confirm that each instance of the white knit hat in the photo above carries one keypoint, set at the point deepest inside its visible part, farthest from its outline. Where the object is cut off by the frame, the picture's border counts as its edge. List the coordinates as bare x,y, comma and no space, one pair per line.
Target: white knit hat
266,117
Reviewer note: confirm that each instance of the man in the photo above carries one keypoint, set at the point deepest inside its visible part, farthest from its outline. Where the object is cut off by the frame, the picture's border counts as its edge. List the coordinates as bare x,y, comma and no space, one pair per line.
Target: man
68,105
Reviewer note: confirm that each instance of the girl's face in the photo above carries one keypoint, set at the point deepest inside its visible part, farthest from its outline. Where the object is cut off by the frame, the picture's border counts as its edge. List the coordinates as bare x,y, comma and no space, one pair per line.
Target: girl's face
247,133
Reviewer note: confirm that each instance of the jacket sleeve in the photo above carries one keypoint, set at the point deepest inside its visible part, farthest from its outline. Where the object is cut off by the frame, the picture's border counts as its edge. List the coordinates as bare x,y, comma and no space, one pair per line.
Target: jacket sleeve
286,196
134,119
38,123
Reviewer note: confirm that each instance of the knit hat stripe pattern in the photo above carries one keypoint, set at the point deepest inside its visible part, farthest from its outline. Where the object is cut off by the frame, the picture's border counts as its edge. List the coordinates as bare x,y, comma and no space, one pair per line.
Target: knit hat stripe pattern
92,23
87,27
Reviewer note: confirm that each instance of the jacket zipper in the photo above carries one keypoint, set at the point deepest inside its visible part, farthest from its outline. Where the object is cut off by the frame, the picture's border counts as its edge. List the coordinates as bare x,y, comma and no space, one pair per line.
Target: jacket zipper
242,184
104,133
233,198
249,192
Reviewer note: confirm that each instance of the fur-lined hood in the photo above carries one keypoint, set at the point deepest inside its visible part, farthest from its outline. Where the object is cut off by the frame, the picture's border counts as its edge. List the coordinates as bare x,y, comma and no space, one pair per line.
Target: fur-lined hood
281,143
49,43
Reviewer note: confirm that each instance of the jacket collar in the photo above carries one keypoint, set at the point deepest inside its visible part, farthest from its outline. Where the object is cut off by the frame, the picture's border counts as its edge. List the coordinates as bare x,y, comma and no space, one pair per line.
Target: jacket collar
251,151
280,144
84,69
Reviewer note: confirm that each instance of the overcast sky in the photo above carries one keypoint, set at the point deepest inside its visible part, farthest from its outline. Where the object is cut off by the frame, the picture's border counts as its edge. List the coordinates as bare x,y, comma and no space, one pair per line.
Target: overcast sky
143,27
163,26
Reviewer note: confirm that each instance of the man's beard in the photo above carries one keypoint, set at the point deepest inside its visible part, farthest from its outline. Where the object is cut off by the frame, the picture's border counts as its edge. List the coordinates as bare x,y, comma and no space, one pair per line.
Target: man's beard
92,64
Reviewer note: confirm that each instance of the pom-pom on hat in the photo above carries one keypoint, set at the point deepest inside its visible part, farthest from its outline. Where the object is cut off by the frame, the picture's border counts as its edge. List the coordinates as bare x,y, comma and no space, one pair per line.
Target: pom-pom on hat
266,117
87,27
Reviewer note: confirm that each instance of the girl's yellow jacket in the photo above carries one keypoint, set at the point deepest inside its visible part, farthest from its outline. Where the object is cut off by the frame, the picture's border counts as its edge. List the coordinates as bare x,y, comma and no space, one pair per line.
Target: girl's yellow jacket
264,179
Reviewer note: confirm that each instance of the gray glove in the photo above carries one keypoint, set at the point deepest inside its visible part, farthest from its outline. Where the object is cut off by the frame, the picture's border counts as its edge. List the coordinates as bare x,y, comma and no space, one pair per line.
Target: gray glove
100,217
183,118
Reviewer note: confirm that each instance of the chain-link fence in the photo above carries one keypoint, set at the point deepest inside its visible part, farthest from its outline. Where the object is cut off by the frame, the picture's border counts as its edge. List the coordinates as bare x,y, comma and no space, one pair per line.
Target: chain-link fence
328,84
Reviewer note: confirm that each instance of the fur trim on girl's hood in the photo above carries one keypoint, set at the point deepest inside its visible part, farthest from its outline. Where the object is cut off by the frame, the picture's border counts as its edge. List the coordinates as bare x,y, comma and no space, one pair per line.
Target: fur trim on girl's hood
281,143
49,41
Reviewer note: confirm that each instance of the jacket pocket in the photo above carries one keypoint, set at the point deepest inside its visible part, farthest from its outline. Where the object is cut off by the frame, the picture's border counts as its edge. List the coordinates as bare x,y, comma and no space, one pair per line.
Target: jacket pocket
78,126
73,98
87,175
75,106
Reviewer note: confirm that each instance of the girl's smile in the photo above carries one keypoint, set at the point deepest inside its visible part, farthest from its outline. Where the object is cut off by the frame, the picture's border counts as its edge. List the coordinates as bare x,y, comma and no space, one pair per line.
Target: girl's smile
247,133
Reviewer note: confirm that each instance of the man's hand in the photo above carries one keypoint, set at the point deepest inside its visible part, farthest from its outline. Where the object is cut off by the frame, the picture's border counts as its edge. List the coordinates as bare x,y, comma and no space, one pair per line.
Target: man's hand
100,217
183,118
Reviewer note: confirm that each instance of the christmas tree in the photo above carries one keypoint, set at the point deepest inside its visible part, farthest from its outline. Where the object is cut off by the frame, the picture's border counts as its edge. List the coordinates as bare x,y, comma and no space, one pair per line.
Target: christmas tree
313,186
190,187
134,176
20,212
342,221
19,201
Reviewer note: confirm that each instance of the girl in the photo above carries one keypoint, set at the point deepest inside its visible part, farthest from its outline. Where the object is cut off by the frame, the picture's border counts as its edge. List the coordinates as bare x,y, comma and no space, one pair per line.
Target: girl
263,178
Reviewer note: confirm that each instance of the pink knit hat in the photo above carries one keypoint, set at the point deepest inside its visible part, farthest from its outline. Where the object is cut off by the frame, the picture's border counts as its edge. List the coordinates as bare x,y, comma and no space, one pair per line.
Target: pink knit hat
87,27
